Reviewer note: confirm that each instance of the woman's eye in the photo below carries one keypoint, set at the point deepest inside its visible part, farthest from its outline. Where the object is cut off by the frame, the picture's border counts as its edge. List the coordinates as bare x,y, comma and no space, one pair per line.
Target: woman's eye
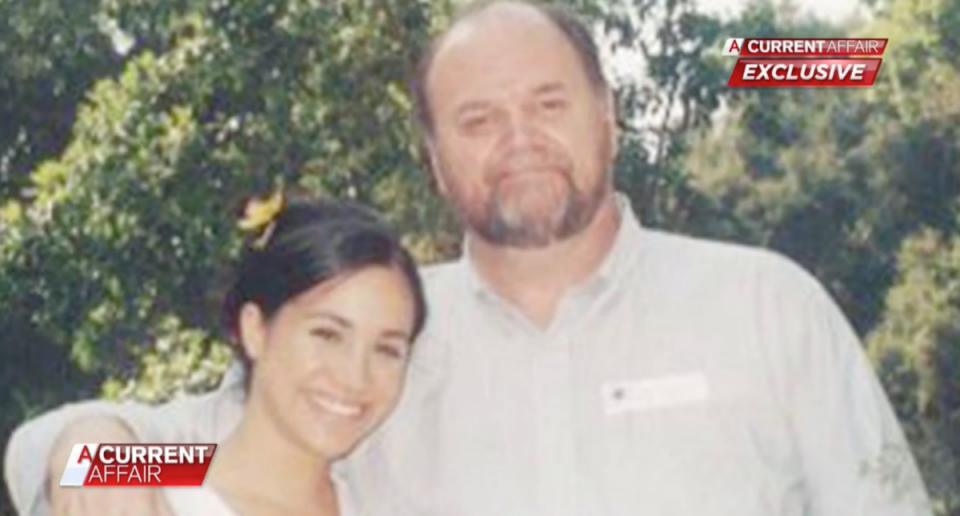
326,334
392,351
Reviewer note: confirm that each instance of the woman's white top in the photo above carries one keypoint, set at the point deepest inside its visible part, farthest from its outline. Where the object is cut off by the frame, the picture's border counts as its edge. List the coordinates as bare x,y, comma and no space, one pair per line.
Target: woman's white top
196,501
205,501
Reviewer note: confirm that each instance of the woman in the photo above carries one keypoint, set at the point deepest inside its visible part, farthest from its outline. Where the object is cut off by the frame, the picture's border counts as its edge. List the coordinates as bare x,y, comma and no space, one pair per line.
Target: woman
324,309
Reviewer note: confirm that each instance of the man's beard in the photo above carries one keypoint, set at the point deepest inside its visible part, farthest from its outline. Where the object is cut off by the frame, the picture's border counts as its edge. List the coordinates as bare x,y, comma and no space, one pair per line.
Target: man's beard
503,221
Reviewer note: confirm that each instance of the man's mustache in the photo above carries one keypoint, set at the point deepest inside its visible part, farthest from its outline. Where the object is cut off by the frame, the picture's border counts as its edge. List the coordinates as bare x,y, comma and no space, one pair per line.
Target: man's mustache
520,164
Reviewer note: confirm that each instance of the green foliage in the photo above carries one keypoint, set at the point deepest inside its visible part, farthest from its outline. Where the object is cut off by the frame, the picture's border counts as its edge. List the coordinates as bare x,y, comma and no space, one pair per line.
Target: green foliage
51,51
676,94
918,349
125,227
180,361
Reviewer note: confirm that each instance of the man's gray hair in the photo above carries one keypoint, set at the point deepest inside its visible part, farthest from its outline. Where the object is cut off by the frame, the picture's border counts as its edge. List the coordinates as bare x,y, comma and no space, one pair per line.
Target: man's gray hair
570,25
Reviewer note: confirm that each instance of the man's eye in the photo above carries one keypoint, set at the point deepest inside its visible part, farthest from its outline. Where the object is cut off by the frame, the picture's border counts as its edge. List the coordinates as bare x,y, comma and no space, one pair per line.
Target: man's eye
553,104
474,122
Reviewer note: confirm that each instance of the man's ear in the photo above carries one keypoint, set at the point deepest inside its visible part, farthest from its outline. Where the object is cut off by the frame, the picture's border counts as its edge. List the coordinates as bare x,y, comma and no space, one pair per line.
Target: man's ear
433,162
611,115
253,331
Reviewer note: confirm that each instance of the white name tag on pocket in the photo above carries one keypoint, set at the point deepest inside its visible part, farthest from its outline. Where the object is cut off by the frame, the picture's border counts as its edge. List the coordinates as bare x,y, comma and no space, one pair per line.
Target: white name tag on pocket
654,393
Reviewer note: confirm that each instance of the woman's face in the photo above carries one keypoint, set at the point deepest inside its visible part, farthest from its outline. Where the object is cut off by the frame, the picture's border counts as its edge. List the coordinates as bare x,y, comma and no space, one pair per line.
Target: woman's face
330,365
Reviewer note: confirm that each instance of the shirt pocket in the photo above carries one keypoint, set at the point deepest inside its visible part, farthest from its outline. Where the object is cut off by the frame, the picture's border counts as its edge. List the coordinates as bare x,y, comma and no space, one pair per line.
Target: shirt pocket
677,444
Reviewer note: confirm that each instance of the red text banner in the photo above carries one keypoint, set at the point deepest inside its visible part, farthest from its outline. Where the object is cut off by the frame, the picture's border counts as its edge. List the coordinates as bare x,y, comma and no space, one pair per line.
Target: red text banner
138,465
769,72
797,47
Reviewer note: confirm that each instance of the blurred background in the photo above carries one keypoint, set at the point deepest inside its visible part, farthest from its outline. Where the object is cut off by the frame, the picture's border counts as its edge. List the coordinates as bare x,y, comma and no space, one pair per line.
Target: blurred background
131,129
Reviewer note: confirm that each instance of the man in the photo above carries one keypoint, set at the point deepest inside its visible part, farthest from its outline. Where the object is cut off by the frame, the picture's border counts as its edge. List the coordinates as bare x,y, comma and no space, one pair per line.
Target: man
576,363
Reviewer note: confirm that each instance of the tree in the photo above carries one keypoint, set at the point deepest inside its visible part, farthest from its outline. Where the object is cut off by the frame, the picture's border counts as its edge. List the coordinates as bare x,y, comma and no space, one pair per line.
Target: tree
51,52
918,350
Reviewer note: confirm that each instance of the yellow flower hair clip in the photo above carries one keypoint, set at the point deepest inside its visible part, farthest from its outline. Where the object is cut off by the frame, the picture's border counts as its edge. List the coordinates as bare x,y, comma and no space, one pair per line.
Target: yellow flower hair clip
260,216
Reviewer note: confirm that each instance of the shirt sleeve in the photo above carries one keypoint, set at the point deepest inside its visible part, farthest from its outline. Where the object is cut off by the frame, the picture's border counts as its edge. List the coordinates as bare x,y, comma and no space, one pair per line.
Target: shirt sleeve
855,458
203,418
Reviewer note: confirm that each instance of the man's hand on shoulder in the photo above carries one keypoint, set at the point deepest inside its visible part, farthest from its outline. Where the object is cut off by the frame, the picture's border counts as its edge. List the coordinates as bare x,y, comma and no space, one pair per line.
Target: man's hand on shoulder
97,501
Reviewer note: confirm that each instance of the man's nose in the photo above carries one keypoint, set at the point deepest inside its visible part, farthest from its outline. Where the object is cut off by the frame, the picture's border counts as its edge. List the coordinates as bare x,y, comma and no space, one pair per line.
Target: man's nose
521,126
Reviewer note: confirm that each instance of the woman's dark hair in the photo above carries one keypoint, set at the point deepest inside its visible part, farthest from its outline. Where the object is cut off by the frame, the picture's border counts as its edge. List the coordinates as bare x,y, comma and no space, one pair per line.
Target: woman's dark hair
310,242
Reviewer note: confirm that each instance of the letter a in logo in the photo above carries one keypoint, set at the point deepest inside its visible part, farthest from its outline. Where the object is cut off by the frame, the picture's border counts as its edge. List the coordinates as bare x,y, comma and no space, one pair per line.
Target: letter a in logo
77,468
85,454
733,47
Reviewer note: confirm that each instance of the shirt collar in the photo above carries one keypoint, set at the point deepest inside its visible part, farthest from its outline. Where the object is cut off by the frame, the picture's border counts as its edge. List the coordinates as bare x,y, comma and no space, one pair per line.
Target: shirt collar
615,266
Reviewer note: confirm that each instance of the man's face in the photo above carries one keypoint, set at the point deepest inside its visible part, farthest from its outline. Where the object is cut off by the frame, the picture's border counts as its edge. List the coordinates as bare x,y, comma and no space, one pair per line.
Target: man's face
523,142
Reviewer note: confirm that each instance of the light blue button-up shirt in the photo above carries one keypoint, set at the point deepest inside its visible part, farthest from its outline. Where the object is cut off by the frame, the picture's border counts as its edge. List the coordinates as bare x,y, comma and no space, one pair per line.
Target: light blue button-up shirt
686,377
